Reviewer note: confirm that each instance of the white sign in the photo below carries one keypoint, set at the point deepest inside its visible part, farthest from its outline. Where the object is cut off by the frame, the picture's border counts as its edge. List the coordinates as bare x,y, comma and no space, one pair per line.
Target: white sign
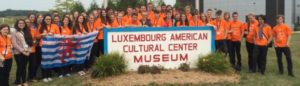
168,47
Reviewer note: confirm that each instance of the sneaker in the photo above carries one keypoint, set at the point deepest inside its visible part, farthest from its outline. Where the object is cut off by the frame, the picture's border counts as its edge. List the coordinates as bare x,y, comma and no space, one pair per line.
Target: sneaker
292,75
45,80
61,76
49,79
83,73
68,75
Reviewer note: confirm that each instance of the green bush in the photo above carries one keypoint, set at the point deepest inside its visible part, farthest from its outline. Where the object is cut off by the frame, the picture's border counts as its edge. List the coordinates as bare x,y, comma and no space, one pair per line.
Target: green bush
144,69
110,64
184,67
215,62
155,70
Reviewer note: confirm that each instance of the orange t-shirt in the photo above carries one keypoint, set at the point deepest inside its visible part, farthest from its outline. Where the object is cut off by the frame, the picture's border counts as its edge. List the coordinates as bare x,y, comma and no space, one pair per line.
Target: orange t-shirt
228,37
198,23
82,29
52,28
162,15
210,19
33,32
133,23
221,29
5,47
151,15
267,32
99,23
167,23
127,18
65,31
114,24
236,27
157,22
139,16
281,33
178,24
189,16
249,37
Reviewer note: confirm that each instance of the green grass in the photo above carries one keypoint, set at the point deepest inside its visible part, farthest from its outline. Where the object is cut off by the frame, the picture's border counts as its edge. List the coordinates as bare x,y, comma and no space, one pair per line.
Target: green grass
10,20
247,79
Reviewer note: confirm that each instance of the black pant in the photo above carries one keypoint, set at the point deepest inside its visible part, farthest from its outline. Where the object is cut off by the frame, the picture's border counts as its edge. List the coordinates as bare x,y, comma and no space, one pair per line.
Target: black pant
250,47
259,58
221,46
287,53
64,70
4,72
22,61
229,47
94,53
46,73
236,50
33,66
101,47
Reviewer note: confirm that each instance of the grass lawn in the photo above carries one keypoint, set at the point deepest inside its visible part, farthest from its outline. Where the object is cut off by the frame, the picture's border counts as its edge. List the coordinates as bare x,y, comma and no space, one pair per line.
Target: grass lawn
247,79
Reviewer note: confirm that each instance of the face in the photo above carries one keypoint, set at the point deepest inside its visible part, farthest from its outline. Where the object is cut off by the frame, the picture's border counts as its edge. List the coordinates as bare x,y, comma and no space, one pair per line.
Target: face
218,17
32,18
129,11
103,13
260,20
145,15
4,31
137,9
150,6
156,15
95,13
48,19
226,16
56,19
120,16
195,17
80,19
163,7
27,21
203,17
112,17
209,13
66,21
279,20
134,18
177,17
143,8
251,18
116,13
21,25
158,8
183,17
76,14
188,10
169,15
235,17
39,19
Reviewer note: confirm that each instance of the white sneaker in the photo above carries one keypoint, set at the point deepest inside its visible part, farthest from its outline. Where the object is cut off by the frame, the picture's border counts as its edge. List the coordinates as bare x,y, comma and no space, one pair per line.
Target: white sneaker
68,75
61,76
49,79
45,80
83,73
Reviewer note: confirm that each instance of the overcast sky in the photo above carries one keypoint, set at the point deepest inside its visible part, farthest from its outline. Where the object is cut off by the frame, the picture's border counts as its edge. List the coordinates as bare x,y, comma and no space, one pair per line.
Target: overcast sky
45,5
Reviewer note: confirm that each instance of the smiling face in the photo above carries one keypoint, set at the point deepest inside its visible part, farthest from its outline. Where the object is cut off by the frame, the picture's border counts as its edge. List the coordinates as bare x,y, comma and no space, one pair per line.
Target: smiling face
4,31
66,21
80,19
48,20
32,18
21,25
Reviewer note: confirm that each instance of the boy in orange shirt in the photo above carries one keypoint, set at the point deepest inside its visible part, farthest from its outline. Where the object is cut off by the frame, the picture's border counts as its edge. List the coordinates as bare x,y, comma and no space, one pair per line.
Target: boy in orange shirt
134,22
237,31
220,26
282,36
157,20
248,31
262,37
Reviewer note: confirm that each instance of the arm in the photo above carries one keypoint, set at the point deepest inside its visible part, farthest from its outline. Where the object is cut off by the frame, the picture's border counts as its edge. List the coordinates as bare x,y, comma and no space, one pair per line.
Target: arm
225,36
288,40
14,41
242,34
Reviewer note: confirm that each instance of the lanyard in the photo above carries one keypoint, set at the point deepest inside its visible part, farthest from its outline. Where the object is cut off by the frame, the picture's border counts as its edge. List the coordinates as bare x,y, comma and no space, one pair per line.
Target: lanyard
218,24
5,38
92,28
49,29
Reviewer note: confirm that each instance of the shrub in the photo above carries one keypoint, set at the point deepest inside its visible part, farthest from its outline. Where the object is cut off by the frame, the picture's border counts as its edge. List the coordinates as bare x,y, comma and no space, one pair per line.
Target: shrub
215,62
144,69
184,67
110,64
155,70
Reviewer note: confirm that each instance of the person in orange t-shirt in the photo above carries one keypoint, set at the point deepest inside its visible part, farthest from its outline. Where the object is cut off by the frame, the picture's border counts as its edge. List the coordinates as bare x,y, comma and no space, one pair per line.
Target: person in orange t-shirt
188,13
184,22
145,21
262,37
248,27
46,28
282,37
220,26
157,20
5,54
209,15
168,21
128,17
113,23
134,22
203,19
150,11
66,28
197,21
80,26
236,29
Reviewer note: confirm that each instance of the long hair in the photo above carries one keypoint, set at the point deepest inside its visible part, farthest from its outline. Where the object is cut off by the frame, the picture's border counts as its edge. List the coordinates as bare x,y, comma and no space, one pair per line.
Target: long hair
186,20
35,20
105,19
69,24
206,20
44,24
26,31
77,27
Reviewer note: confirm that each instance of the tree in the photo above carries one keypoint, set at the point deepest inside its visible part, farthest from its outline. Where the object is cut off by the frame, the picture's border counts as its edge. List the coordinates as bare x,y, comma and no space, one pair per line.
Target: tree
178,5
123,4
62,6
93,6
77,6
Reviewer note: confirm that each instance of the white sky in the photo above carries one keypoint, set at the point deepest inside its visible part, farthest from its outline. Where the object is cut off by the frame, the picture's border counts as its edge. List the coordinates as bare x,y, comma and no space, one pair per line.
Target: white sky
45,5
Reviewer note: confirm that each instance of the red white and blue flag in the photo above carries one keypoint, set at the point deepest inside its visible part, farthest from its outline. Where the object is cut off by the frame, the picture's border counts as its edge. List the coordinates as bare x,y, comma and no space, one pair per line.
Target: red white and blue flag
59,51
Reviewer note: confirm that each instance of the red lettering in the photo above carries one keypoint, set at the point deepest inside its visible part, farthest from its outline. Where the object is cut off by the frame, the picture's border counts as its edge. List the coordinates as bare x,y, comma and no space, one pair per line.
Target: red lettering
137,60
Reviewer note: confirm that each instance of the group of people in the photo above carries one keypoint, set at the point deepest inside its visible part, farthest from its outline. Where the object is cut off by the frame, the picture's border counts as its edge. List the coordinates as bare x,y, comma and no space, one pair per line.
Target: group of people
26,41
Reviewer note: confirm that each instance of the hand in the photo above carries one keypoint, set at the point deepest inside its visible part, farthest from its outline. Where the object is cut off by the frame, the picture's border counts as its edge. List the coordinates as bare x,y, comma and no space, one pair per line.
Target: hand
25,53
287,45
43,34
50,34
2,58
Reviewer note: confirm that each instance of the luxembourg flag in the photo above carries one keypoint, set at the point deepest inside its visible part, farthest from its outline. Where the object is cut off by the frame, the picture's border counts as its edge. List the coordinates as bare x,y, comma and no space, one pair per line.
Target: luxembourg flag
58,50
